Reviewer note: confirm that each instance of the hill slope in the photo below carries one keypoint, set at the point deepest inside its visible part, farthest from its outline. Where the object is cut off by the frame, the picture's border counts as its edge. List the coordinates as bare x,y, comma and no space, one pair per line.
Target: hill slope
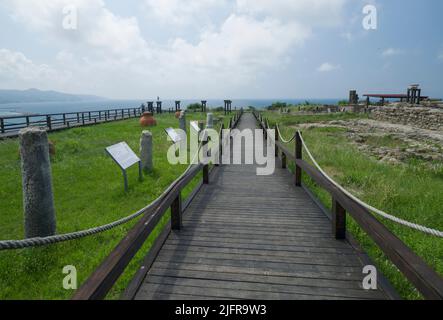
35,95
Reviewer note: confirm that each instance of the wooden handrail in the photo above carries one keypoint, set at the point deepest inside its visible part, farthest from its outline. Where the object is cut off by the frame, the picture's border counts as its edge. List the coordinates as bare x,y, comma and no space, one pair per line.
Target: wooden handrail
425,279
97,286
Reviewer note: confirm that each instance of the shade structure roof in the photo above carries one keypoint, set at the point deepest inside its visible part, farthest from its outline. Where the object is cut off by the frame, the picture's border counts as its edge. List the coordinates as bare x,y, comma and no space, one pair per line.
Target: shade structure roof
388,96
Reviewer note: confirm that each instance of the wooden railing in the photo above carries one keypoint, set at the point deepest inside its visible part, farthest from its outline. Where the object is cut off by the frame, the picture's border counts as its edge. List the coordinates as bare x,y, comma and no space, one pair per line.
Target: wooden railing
104,277
10,126
427,281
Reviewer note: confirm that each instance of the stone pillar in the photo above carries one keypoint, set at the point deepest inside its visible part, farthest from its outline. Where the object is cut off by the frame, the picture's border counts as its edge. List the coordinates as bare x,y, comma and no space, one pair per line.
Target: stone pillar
177,105
210,121
146,150
159,107
38,198
204,105
353,97
151,107
182,121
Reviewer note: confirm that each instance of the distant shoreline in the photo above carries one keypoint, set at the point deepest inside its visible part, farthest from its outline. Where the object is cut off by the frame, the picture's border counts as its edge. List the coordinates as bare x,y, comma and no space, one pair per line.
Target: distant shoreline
79,106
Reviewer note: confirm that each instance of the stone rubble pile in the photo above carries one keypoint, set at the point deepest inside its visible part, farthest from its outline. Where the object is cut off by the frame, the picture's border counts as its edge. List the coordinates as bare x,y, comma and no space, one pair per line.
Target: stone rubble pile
405,142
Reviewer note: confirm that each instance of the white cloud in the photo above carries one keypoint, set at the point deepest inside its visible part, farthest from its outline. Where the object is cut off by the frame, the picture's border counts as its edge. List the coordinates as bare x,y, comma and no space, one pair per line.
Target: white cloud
327,67
16,69
98,27
312,12
179,12
254,38
242,41
390,52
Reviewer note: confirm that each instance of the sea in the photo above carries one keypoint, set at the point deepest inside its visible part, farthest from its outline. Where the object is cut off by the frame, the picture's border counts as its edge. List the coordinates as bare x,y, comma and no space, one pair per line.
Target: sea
40,108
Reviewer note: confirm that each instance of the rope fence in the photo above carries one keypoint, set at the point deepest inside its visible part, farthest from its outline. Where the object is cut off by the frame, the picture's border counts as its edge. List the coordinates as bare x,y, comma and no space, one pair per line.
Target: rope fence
37,242
379,212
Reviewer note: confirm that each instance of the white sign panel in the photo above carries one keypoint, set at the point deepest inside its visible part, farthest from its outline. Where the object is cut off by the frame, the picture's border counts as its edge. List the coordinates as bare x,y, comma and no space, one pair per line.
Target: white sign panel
123,155
194,125
175,137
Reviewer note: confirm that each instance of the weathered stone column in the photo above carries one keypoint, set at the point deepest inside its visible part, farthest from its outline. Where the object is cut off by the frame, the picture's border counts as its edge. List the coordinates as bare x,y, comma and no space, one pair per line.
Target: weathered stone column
38,198
151,107
182,120
210,121
146,150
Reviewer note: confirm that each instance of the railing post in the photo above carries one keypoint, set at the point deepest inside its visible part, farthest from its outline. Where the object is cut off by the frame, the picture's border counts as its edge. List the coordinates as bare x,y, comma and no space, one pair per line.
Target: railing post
338,220
2,125
64,119
276,140
298,156
265,129
48,122
206,166
220,145
176,213
27,121
83,118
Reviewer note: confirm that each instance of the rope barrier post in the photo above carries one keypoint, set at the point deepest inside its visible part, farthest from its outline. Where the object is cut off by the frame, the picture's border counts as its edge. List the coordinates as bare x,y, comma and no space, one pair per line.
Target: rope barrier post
38,198
338,220
298,156
220,145
176,213
276,140
204,149
265,130
205,167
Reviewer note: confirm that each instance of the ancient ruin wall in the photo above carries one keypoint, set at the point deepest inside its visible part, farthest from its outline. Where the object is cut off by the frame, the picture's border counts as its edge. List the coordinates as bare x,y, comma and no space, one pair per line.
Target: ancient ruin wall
421,117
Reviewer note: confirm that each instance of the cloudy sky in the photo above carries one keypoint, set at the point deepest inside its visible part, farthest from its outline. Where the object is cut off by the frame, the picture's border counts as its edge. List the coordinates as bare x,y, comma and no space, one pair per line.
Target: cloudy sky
220,48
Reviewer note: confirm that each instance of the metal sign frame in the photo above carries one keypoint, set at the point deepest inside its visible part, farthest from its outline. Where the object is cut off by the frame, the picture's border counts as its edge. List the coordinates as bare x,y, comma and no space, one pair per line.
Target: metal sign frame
123,167
195,126
173,135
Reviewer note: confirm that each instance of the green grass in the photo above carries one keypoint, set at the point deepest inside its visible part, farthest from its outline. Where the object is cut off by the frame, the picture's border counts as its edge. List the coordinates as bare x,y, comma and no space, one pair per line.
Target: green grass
291,120
411,191
88,192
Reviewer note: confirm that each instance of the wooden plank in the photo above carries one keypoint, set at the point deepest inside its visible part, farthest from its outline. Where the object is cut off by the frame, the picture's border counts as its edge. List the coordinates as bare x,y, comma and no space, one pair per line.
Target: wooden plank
270,247
241,239
266,288
256,278
424,278
103,278
222,293
320,260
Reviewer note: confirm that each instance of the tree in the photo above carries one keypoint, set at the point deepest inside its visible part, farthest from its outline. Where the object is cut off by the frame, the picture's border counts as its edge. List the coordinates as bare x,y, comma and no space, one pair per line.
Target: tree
278,106
194,107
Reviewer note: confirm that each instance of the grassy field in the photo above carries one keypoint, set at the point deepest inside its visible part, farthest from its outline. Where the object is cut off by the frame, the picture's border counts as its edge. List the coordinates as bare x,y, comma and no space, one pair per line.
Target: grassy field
411,191
88,191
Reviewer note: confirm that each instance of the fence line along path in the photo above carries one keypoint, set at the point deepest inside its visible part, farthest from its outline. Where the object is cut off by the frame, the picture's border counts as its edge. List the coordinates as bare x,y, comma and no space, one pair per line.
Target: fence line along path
11,125
253,237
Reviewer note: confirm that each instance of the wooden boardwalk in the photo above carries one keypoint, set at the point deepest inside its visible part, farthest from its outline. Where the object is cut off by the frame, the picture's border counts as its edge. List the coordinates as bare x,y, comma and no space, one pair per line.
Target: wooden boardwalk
255,237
